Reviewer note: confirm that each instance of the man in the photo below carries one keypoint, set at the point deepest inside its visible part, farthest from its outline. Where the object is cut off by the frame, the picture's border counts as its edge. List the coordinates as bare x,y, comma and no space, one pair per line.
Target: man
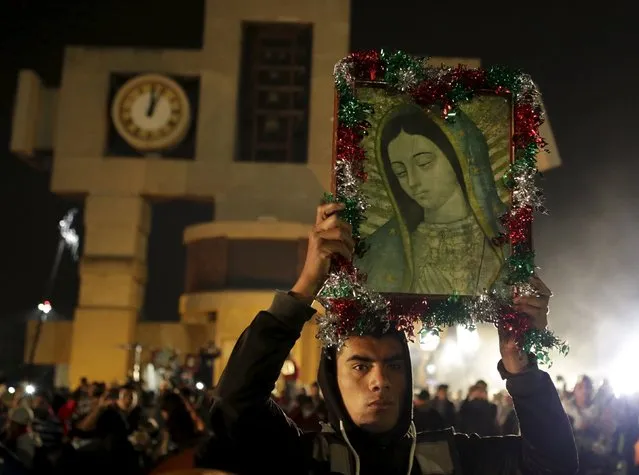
477,415
444,406
425,416
367,386
46,423
18,436
208,355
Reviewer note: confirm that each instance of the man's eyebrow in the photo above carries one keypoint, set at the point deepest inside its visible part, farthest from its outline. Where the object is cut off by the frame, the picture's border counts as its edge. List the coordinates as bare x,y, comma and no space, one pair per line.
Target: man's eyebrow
367,359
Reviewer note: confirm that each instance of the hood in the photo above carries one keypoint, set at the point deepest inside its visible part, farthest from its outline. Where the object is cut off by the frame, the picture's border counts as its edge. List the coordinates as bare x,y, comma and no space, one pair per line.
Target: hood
327,379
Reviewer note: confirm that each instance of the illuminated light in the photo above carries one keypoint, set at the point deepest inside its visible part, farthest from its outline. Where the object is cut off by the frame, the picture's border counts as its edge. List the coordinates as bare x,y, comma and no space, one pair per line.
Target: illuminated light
29,389
451,356
623,384
429,341
11,390
45,307
431,368
199,386
468,340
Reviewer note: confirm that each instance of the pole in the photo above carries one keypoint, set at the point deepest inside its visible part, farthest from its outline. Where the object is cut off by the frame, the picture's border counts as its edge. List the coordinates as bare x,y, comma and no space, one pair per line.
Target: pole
48,289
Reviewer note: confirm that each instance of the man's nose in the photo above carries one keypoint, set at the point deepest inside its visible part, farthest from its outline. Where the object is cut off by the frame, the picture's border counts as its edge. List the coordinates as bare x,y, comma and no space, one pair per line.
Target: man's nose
378,378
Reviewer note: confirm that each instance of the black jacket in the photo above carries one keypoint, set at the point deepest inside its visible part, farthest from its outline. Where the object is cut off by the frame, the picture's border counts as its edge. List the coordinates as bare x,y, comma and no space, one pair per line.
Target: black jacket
253,435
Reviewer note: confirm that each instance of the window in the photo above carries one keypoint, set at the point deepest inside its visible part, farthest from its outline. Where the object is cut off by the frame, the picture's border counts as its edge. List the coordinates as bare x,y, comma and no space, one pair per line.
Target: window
243,264
274,92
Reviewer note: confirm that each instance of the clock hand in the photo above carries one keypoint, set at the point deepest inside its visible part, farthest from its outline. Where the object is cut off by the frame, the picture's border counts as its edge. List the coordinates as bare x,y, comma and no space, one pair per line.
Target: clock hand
152,102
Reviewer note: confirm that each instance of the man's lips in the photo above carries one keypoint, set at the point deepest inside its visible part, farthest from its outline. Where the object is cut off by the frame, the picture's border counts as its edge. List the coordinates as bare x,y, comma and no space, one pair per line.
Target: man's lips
380,404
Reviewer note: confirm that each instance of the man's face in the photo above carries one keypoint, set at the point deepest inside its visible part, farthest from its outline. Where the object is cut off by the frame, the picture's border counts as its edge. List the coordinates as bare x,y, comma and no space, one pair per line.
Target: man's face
125,399
371,376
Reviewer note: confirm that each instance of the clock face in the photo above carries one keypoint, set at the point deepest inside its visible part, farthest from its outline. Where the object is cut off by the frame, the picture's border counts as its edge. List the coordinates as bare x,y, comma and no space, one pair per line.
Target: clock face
151,112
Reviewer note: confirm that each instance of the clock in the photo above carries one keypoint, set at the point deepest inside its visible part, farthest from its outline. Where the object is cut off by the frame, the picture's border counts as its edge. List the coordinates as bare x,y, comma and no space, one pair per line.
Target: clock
151,112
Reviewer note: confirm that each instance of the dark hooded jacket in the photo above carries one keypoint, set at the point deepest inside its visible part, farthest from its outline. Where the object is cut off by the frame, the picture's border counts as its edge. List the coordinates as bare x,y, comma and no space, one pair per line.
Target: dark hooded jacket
252,435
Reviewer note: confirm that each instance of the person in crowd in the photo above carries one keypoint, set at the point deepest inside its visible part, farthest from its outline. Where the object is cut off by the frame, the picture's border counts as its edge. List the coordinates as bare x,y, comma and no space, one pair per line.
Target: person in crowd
18,436
444,406
581,410
426,418
182,434
128,408
367,386
304,415
477,415
318,401
507,419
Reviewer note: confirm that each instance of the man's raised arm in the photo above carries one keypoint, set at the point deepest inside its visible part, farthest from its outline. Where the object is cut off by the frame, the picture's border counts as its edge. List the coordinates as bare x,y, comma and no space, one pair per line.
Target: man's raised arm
242,404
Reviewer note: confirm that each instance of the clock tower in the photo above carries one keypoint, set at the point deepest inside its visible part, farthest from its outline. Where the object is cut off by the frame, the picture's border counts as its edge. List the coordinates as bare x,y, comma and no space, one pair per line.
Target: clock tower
244,124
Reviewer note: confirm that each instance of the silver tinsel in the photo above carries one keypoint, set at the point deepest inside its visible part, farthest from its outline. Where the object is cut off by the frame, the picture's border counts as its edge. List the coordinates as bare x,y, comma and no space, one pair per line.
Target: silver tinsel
343,285
406,80
526,289
348,185
486,308
525,191
528,92
342,71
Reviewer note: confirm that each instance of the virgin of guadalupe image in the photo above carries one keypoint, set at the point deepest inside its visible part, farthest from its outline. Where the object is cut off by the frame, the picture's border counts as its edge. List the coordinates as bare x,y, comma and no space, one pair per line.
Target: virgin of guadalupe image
445,207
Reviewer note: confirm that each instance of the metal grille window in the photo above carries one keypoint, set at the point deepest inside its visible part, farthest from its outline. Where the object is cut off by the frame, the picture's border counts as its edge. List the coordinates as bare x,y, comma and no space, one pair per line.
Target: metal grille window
274,92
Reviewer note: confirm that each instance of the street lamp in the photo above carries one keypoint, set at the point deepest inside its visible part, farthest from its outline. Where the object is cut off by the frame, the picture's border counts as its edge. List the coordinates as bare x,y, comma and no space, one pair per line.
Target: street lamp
68,239
45,307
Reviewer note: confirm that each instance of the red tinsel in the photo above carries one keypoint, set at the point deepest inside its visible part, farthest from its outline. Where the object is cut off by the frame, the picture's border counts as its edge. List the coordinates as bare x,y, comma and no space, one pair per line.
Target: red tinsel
366,65
408,306
518,223
527,121
349,312
349,150
474,79
430,92
514,324
340,264
404,313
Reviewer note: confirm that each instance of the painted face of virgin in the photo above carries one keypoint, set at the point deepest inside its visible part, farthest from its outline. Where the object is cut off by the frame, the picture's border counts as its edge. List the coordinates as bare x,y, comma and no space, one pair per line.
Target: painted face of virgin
423,171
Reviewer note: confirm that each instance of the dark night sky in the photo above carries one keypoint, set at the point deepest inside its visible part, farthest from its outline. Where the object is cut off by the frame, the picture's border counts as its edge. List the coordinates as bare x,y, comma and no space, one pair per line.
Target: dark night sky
583,61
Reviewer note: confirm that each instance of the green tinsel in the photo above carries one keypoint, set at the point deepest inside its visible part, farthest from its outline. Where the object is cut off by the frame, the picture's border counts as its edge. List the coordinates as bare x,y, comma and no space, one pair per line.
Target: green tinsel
352,111
540,342
508,180
351,213
460,93
446,313
401,70
339,291
502,76
523,165
521,266
343,88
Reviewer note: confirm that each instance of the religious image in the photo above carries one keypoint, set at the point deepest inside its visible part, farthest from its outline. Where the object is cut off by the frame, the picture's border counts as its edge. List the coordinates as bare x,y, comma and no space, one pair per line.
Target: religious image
435,195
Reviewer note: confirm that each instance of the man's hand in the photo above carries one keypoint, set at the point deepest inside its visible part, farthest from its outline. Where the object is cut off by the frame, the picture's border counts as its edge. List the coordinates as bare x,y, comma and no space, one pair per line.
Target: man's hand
329,236
536,307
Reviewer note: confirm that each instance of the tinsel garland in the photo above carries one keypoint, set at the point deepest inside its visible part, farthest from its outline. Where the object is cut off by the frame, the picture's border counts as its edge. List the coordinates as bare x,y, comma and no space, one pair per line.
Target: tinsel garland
352,308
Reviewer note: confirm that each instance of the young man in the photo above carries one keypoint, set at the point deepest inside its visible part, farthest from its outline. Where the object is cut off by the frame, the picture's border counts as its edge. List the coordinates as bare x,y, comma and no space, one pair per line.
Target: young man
367,386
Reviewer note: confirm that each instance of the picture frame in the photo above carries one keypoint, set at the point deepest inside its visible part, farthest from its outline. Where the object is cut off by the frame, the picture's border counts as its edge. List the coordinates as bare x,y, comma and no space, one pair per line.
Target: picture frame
352,305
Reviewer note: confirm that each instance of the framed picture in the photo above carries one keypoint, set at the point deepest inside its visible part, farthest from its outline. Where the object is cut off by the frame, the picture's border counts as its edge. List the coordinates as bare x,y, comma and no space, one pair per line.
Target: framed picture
435,193
436,168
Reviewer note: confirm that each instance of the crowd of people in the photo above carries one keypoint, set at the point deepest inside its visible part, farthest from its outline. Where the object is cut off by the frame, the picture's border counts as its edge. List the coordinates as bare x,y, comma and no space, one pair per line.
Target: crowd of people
129,430
102,429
